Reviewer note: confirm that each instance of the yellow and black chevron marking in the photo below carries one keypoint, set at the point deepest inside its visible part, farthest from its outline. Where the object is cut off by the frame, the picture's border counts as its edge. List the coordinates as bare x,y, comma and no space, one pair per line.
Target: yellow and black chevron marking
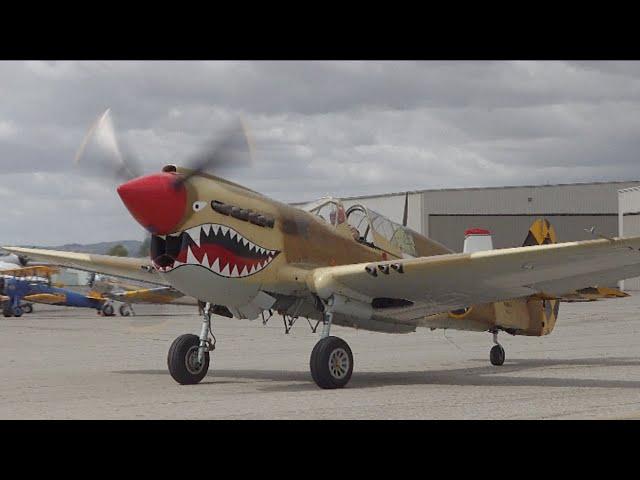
541,232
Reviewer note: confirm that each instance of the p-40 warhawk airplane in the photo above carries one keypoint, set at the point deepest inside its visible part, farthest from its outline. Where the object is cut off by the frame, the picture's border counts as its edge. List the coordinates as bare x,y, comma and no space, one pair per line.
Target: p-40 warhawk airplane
244,254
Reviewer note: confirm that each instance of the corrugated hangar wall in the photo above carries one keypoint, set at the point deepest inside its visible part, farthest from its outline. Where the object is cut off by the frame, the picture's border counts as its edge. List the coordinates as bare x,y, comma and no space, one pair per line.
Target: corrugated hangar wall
629,224
509,211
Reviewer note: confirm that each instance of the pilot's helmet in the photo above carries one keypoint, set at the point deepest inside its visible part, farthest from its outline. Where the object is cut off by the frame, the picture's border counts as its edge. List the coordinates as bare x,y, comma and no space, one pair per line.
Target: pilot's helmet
341,216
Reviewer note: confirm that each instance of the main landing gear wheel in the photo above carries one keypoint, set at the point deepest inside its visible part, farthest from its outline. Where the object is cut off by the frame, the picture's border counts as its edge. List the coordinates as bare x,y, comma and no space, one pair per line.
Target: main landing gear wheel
183,362
7,312
17,311
107,310
28,308
497,355
331,363
124,311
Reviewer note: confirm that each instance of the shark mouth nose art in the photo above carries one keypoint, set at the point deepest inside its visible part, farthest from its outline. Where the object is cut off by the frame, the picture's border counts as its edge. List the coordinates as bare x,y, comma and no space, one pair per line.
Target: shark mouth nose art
218,248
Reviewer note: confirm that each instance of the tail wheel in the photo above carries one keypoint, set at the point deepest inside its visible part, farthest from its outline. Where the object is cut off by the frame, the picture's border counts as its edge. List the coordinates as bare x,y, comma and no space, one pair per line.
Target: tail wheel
331,363
183,363
497,355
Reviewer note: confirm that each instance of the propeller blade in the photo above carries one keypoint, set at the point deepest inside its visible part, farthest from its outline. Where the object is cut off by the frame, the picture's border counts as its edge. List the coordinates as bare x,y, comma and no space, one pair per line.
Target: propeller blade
109,159
405,214
232,148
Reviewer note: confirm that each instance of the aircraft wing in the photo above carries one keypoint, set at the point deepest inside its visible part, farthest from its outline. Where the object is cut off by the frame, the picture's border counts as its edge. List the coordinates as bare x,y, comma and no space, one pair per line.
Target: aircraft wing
125,267
35,271
146,295
591,294
448,282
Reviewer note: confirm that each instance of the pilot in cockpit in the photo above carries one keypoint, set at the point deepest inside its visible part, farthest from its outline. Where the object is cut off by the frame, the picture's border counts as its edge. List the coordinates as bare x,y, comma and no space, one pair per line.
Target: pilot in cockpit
341,218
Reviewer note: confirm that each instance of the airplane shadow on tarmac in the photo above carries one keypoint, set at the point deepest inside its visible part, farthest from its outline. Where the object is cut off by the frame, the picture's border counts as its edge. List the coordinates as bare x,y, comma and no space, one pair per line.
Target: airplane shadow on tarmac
487,375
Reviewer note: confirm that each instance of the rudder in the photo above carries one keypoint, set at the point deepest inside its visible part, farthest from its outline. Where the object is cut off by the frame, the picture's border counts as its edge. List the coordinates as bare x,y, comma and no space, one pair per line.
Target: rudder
543,313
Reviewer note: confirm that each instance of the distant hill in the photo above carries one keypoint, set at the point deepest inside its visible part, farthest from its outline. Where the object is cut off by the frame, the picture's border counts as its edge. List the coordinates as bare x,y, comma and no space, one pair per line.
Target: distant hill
132,246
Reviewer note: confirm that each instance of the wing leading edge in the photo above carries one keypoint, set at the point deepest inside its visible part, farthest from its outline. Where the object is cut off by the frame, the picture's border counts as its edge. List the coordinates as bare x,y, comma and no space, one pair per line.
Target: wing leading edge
124,267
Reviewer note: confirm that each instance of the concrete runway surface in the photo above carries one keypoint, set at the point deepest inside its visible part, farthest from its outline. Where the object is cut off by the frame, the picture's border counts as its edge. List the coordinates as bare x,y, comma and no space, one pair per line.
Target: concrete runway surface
64,363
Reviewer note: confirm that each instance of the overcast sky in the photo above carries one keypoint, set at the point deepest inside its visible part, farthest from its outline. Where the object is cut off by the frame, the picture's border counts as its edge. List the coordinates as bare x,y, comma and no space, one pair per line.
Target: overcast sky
318,128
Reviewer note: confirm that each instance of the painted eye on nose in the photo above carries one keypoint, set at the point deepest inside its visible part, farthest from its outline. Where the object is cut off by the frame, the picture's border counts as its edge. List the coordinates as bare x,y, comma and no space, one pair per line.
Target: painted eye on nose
197,206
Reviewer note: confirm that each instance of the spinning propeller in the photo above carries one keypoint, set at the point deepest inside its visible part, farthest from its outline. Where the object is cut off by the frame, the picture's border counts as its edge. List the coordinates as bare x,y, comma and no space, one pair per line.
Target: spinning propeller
157,201
230,148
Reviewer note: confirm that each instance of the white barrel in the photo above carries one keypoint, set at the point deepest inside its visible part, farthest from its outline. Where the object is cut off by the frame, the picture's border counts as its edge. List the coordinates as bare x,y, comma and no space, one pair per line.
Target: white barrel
477,240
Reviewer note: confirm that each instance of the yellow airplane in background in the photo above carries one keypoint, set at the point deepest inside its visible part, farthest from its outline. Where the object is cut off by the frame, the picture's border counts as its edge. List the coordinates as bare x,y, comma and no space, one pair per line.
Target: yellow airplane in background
24,284
244,253
128,294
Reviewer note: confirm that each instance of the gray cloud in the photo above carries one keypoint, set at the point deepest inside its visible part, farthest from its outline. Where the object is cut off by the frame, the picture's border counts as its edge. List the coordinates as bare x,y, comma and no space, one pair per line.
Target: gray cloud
341,128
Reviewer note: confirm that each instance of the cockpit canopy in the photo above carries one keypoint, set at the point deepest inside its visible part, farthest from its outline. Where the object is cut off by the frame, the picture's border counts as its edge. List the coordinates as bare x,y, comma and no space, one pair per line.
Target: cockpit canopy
366,226
328,209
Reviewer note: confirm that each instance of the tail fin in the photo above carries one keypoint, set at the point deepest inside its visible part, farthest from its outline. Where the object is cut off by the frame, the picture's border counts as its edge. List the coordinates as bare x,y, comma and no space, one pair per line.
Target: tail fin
543,313
541,232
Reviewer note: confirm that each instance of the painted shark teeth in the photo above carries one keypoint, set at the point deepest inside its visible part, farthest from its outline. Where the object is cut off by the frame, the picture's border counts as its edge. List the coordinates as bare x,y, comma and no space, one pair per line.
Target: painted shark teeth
220,249
191,258
194,233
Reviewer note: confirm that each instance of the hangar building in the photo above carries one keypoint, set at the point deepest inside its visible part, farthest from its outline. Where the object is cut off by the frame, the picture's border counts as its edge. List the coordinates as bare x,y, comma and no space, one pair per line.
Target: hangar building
507,212
629,223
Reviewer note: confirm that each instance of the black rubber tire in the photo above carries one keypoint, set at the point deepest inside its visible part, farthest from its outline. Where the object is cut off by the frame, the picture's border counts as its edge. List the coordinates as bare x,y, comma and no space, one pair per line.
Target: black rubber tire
27,308
319,363
17,311
177,360
124,311
312,361
7,313
107,310
497,355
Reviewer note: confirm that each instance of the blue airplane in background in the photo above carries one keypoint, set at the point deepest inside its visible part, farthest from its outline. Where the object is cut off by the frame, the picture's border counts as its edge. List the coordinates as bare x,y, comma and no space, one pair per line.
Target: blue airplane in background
22,285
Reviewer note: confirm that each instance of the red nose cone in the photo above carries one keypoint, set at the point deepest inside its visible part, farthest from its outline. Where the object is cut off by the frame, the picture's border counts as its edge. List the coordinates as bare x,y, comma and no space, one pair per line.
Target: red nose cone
155,202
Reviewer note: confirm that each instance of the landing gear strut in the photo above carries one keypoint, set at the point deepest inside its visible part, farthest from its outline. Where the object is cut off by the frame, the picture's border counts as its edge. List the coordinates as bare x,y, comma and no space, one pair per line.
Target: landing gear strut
496,355
331,361
188,358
